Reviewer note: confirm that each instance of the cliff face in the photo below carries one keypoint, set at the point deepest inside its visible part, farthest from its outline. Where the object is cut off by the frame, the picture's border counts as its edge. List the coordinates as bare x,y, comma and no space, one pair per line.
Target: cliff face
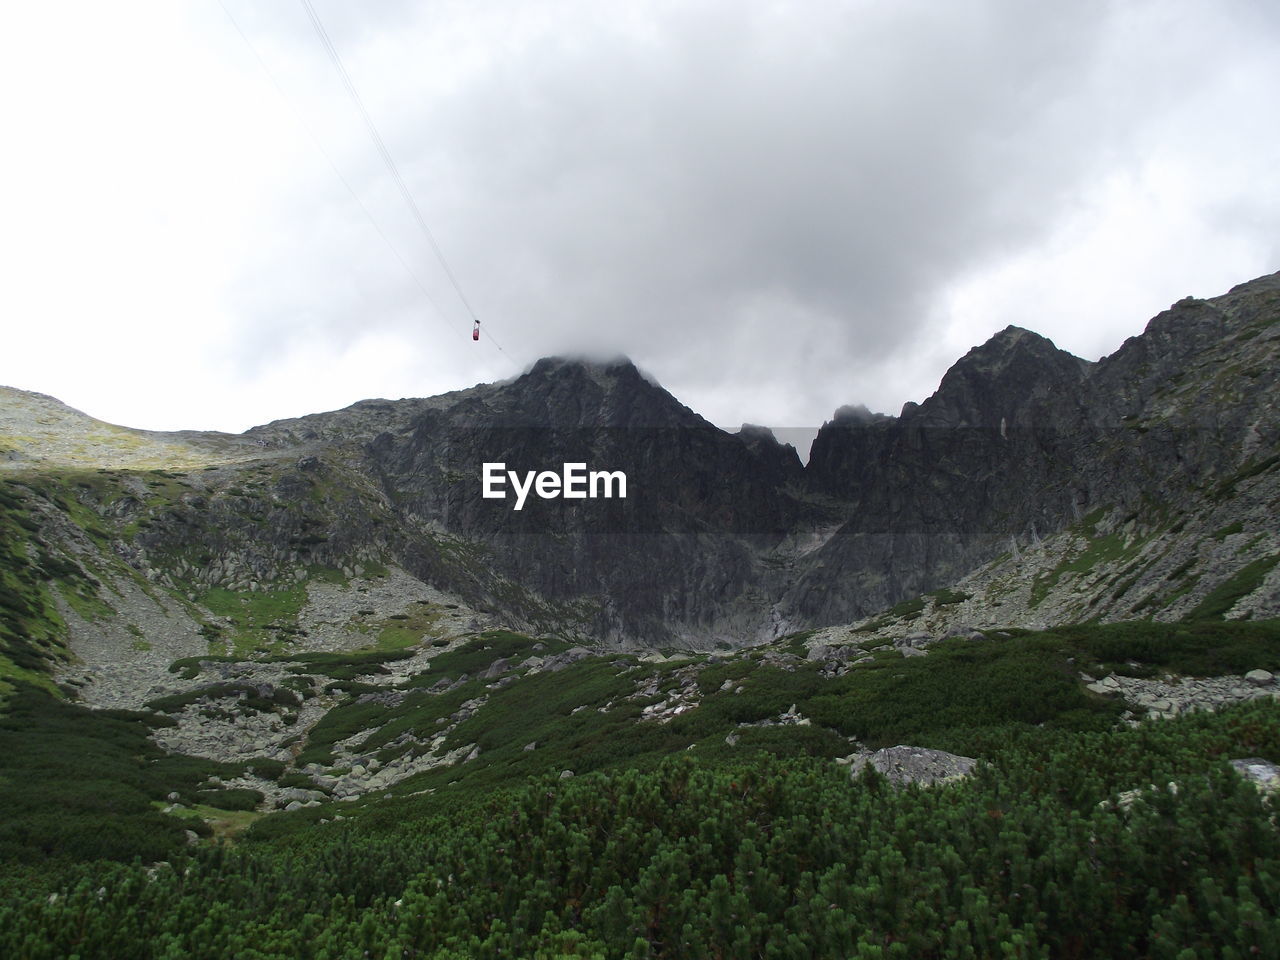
1022,439
675,556
721,537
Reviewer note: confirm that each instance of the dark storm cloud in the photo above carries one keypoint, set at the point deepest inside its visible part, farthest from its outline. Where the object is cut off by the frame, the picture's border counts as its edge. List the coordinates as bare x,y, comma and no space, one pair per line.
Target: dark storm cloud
740,185
756,202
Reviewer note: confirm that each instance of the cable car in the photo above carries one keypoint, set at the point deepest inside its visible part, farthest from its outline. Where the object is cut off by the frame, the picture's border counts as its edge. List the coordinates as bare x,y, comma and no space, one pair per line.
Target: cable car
475,331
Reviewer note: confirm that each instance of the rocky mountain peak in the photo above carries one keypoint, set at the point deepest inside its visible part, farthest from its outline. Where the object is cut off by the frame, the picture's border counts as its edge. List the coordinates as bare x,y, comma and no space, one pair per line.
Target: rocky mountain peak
619,368
857,414
1000,379
584,392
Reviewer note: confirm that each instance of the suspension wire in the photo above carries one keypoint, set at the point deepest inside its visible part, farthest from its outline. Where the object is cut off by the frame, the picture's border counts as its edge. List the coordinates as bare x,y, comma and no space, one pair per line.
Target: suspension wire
387,159
438,313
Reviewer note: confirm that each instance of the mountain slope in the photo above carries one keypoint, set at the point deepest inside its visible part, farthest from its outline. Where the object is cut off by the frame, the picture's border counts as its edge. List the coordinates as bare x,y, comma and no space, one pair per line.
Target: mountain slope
1135,486
1177,433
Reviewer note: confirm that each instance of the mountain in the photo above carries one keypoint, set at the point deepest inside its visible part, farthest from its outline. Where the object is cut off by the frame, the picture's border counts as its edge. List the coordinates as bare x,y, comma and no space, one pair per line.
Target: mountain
1171,438
1154,467
308,688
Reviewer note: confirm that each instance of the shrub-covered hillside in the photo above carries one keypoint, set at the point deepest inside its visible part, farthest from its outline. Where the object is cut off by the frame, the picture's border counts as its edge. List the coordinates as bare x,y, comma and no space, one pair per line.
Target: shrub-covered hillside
766,857
710,815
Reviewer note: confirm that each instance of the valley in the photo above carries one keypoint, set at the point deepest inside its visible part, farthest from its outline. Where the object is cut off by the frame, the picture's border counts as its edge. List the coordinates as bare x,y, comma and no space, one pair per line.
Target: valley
315,676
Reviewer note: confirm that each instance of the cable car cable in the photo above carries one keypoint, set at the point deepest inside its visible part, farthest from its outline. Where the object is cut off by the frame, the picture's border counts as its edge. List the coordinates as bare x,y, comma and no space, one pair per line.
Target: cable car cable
438,312
390,163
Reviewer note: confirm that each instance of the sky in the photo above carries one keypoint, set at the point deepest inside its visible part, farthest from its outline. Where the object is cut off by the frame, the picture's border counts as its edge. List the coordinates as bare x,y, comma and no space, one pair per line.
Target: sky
775,209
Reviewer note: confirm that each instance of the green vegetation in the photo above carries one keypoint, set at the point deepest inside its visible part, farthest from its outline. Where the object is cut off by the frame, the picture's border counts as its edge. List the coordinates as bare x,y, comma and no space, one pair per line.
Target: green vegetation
907,608
31,631
718,832
262,619
1227,488
912,607
1194,649
236,798
946,597
343,666
1224,596
762,858
795,643
1227,531
248,697
407,630
1099,549
79,784
188,668
477,654
266,768
342,722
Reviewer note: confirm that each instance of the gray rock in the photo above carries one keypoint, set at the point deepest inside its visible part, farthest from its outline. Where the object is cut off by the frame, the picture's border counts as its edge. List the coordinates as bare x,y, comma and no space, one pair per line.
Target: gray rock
531,745
906,764
1260,678
298,793
566,774
562,660
913,652
192,837
293,805
497,668
1263,774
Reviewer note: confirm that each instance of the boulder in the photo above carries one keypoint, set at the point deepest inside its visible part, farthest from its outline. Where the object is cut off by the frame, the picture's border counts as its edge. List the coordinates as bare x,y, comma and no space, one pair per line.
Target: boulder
906,764
497,668
1263,774
1260,678
301,794
562,660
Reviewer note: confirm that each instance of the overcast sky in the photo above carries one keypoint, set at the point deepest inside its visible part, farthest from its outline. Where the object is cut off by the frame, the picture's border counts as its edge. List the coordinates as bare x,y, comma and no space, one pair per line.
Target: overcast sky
775,209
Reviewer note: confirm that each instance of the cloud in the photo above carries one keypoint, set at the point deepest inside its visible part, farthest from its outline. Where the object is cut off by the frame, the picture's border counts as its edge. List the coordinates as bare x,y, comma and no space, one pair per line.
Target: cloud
776,208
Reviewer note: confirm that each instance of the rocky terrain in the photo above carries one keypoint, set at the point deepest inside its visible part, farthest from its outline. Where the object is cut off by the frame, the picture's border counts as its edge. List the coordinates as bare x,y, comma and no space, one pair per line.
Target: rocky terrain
333,599
1042,487
998,676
